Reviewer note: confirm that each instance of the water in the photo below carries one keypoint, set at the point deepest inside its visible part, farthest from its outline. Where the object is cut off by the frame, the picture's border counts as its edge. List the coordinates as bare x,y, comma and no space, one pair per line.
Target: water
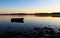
29,22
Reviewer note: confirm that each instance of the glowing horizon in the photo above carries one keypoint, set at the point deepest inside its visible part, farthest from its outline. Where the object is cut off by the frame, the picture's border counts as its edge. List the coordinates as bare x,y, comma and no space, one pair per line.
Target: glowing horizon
29,6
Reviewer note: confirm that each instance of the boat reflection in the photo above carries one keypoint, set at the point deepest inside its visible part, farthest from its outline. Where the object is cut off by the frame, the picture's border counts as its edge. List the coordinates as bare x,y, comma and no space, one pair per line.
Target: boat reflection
17,20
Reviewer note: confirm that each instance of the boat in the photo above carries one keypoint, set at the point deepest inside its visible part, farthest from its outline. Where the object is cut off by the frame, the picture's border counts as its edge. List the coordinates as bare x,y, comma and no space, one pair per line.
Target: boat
17,20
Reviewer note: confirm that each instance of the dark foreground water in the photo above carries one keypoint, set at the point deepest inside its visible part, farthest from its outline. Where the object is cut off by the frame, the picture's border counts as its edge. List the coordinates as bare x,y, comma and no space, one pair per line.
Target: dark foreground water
30,27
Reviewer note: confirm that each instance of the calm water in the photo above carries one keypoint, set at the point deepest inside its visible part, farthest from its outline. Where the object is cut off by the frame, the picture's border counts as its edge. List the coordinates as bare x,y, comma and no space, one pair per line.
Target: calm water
28,23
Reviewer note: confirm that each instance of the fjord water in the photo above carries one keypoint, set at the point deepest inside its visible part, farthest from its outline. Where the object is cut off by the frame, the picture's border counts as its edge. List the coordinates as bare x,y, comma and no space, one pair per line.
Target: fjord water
29,22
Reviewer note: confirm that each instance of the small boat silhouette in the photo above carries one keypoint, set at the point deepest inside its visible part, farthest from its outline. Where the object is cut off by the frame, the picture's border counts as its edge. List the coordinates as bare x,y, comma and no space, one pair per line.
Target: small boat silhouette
20,20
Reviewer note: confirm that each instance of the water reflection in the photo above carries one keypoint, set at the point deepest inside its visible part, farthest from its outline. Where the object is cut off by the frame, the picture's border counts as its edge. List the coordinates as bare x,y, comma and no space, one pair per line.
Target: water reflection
17,20
29,27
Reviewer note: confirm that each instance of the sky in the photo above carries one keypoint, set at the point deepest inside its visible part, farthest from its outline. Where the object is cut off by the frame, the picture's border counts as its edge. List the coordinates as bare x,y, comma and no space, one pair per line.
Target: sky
29,6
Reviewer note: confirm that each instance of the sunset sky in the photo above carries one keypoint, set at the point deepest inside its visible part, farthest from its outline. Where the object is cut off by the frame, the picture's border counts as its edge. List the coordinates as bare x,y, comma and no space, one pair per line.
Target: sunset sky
29,6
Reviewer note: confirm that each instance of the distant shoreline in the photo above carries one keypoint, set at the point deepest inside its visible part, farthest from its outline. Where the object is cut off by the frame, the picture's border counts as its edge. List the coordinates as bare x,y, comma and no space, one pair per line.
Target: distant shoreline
36,14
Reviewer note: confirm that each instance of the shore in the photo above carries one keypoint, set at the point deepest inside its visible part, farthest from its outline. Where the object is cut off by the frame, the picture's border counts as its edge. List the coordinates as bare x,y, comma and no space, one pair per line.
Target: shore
36,32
